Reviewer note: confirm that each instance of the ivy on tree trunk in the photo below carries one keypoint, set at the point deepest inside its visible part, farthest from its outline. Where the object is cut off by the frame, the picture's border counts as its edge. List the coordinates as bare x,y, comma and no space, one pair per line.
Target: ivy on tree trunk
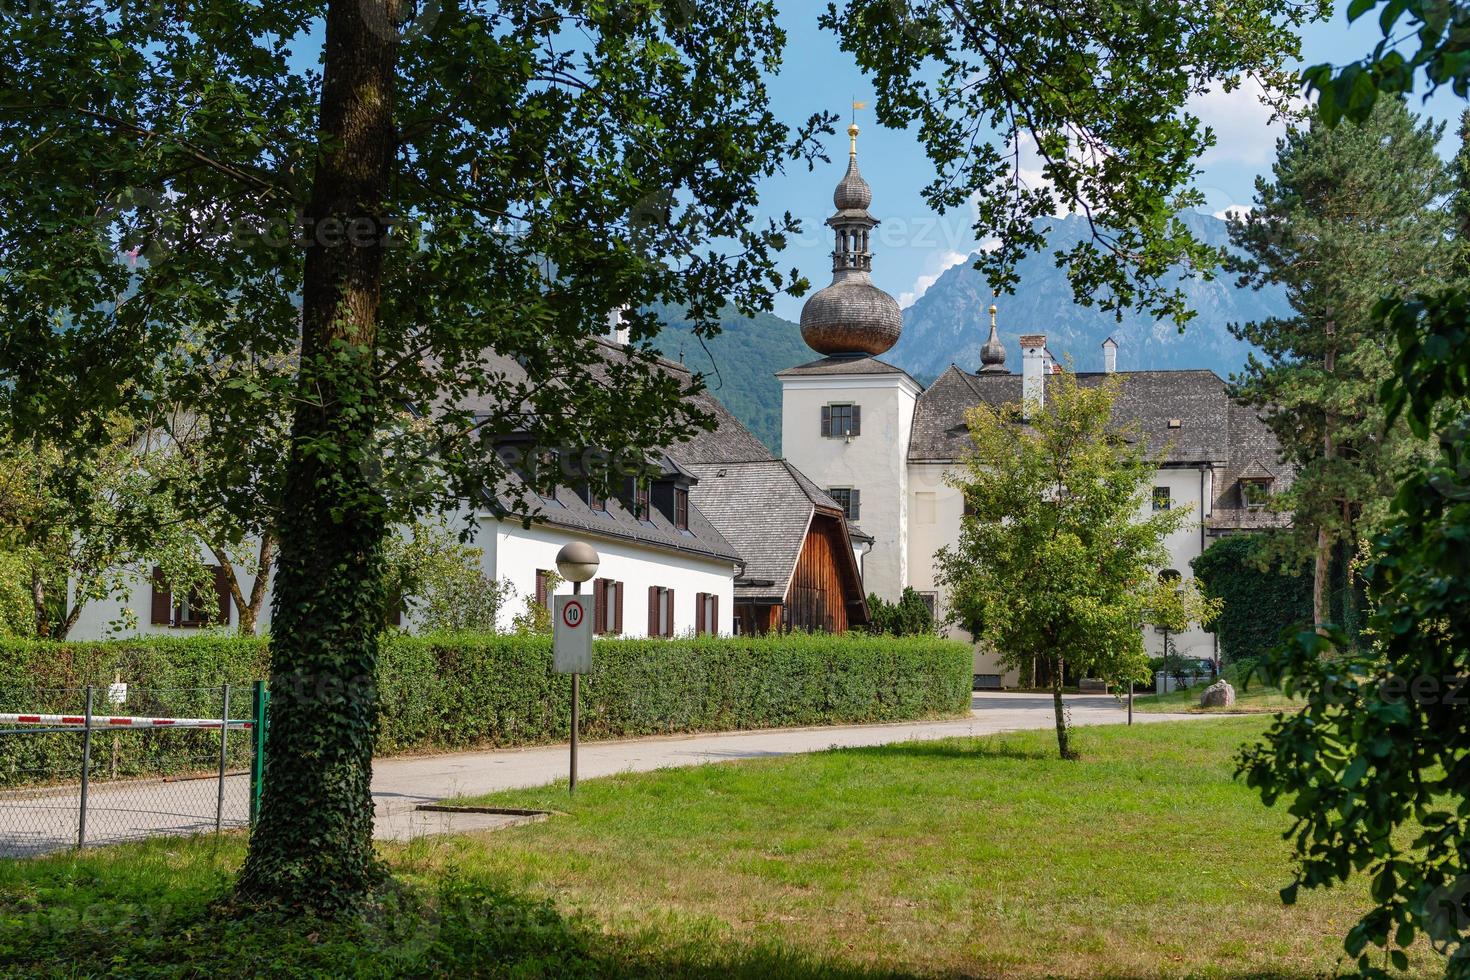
313,843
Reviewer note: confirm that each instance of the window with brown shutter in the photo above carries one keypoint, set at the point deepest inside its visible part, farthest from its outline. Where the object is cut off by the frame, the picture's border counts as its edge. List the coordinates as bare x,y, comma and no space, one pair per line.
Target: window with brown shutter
541,590
599,606
668,612
706,614
681,508
654,600
163,601
223,594
607,617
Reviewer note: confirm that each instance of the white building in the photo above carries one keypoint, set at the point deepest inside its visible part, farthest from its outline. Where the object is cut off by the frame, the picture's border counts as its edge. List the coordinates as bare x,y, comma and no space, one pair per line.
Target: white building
879,441
668,567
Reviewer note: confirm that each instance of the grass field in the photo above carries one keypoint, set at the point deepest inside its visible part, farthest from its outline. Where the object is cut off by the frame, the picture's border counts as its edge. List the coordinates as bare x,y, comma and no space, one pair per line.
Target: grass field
964,857
1251,698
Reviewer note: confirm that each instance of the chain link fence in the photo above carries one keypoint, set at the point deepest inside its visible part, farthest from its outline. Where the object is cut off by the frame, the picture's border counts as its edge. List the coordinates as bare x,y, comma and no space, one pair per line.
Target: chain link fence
100,765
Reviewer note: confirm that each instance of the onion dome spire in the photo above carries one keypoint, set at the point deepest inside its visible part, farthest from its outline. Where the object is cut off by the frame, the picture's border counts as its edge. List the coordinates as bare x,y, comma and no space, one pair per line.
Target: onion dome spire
851,316
992,352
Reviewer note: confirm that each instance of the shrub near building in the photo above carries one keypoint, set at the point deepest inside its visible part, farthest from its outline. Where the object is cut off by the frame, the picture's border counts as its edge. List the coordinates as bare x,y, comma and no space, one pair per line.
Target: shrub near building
467,690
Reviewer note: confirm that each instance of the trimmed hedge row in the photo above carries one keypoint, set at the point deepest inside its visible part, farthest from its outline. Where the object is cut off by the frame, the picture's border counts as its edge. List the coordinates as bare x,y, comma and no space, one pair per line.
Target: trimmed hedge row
460,691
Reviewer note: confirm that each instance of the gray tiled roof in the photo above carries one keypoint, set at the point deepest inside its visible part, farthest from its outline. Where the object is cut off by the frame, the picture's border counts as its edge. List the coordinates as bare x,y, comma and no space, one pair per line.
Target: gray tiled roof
843,364
1149,400
764,508
728,440
570,511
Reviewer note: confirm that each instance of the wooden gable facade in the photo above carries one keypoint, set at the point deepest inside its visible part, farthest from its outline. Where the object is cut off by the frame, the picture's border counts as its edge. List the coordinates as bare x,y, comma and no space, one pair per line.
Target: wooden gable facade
825,594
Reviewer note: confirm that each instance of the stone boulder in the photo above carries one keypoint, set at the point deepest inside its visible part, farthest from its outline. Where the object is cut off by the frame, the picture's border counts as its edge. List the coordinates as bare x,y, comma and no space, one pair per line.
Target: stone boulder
1218,695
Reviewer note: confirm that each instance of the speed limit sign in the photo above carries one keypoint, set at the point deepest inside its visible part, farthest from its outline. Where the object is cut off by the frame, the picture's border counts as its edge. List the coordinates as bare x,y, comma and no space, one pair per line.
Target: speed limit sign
572,634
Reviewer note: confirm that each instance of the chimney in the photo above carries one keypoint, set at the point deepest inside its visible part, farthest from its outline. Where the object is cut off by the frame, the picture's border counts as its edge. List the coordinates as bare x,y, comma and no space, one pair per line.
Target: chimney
1110,355
616,332
1033,373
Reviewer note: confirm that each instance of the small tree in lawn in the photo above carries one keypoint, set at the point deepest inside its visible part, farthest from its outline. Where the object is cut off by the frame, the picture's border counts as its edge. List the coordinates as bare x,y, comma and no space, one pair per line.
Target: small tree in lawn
1056,561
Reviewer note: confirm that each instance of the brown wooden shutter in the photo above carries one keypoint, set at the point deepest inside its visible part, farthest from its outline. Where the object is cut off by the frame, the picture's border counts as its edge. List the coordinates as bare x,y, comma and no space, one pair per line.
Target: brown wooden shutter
599,605
857,420
699,614
617,606
826,421
223,594
669,611
653,610
163,601
541,587
714,609
854,504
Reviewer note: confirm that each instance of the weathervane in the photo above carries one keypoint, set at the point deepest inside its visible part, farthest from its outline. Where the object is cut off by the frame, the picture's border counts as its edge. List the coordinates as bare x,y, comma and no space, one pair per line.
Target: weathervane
852,130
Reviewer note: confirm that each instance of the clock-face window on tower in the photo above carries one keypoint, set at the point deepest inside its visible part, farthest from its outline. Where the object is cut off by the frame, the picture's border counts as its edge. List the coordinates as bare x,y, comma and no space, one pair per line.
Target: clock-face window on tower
840,421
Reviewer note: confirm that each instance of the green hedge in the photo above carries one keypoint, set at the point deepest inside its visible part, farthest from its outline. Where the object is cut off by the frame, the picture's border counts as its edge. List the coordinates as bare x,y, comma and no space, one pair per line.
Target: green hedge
1258,604
469,690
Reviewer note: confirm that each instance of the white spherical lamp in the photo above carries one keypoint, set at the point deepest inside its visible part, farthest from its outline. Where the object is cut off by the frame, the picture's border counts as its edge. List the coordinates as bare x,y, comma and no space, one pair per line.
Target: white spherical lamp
577,561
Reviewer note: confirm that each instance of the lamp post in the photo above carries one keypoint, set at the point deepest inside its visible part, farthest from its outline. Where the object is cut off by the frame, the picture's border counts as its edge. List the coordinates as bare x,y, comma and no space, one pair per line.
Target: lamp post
576,562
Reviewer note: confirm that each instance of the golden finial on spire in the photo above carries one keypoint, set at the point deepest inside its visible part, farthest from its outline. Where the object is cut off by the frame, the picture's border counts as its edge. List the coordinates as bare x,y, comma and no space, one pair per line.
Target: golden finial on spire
852,131
992,310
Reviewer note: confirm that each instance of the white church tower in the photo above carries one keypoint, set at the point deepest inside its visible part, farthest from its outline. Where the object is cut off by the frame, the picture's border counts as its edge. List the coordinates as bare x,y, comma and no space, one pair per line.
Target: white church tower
846,418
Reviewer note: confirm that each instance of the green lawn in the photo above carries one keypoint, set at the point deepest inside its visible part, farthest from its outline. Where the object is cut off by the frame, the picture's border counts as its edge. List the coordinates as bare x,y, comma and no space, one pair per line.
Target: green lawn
1250,698
964,857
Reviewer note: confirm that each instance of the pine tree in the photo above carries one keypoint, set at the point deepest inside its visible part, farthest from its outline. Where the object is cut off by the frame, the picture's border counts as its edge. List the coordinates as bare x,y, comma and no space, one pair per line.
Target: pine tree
1349,214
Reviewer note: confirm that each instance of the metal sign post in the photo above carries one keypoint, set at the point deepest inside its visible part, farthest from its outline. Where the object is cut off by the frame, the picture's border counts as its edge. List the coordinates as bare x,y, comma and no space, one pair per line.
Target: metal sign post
572,653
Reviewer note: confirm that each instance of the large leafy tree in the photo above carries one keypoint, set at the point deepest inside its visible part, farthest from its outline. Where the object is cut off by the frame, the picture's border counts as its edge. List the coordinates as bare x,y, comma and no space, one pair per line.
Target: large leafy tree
69,553
1376,767
376,195
1056,562
1349,213
1029,110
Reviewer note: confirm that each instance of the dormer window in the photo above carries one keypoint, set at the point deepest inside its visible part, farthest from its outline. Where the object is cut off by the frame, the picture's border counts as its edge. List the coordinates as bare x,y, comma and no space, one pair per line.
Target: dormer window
1255,494
841,420
642,501
681,508
596,501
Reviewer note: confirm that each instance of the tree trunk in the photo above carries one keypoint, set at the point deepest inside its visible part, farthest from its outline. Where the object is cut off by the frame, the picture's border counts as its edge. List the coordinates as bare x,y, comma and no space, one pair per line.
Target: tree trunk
1329,453
247,609
265,560
1063,743
38,604
312,848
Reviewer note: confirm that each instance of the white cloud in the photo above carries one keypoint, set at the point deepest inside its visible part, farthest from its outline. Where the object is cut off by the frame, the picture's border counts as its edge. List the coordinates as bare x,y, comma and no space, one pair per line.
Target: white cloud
1242,123
944,261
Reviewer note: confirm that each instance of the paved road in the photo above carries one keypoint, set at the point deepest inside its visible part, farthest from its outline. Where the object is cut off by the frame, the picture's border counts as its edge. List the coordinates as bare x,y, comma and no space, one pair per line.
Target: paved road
37,822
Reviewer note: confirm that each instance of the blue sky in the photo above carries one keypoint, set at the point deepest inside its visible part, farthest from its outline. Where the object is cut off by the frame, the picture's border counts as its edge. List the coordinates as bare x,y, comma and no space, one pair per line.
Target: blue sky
914,244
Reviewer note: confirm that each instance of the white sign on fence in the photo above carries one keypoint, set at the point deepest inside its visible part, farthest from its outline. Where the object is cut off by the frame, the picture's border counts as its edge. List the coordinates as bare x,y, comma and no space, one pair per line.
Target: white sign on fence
117,693
571,646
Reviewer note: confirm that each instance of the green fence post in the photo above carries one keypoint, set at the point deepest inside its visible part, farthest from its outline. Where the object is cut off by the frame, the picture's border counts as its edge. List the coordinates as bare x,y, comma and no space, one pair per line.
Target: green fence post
262,702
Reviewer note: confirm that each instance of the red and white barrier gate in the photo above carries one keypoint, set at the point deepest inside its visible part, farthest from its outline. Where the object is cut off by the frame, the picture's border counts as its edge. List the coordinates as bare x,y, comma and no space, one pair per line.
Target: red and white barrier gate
106,721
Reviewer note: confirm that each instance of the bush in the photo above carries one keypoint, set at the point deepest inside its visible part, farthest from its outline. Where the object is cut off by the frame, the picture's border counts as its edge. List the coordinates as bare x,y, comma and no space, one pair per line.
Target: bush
466,690
909,616
1258,604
